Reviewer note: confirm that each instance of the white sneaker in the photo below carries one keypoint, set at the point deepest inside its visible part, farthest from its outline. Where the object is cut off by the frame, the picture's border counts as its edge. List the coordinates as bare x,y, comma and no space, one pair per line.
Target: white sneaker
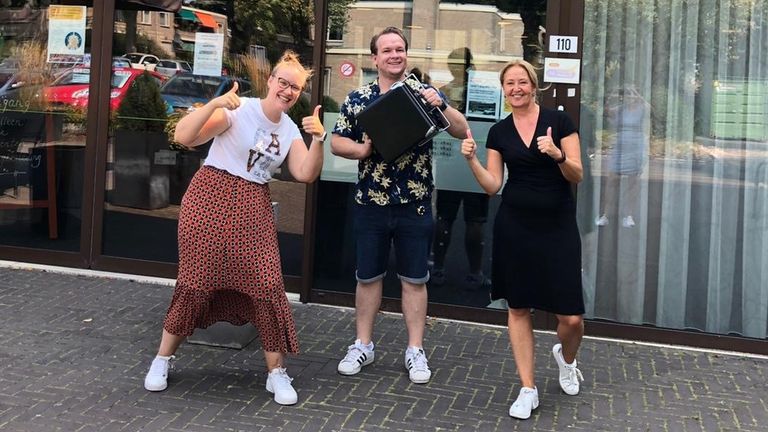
602,220
570,375
416,363
358,355
279,383
157,377
628,222
527,401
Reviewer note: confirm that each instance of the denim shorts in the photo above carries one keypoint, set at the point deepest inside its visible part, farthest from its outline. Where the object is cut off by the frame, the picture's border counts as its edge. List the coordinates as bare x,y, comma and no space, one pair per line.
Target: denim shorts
408,226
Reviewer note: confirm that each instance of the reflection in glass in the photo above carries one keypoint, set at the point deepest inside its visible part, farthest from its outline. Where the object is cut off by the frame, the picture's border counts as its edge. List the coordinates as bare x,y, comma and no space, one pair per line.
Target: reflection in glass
674,130
42,142
147,172
459,48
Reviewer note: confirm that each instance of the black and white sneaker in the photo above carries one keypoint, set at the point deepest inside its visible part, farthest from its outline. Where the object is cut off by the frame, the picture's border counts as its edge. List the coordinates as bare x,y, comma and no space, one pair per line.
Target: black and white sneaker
358,355
416,362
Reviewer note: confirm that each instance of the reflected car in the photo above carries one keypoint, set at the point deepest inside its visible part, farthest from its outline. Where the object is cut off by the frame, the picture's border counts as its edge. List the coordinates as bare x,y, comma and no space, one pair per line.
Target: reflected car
170,67
71,88
142,61
184,90
14,81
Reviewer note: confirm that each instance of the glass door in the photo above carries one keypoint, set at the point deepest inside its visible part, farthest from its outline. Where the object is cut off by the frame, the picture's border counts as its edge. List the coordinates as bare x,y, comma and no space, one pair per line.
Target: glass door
459,48
45,53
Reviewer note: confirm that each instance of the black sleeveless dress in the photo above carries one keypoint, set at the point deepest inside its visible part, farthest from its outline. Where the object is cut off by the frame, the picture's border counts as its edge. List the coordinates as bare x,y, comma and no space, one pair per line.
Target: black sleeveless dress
536,243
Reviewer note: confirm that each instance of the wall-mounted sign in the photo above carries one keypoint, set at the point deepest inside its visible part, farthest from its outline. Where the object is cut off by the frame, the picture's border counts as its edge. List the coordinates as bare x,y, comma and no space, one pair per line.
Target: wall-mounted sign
347,69
564,44
560,70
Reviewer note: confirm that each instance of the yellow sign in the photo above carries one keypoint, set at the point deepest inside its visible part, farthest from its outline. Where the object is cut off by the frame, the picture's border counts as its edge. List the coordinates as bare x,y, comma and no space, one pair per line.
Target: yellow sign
56,12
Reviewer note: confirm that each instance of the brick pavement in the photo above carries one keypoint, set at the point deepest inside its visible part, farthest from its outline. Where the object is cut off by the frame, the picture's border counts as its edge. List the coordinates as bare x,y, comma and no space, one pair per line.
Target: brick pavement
74,350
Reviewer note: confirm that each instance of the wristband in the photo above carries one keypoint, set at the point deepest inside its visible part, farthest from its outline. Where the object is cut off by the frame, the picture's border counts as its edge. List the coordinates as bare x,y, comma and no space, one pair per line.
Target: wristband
322,137
443,106
562,159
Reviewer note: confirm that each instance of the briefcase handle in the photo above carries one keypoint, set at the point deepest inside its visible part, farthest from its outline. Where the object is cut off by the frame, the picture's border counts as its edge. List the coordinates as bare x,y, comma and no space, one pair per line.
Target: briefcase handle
413,83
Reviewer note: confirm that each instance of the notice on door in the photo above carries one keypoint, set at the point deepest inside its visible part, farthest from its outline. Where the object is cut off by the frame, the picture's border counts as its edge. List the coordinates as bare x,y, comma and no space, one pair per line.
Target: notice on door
66,34
208,53
561,70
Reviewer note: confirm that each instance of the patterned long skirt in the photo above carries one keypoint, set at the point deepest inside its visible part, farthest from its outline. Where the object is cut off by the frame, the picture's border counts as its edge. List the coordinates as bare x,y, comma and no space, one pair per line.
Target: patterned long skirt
229,263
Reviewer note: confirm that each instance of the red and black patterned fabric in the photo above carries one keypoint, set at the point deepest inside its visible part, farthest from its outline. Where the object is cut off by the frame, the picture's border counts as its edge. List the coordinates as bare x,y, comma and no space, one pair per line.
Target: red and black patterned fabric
229,263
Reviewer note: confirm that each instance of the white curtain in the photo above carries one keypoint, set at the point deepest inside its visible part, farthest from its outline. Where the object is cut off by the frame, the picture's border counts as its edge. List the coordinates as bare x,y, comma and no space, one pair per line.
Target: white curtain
674,129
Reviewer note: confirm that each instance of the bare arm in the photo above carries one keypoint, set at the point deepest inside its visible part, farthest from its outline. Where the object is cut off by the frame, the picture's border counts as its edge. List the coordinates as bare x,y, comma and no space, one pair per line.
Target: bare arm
204,123
569,148
350,149
571,168
489,177
305,164
459,124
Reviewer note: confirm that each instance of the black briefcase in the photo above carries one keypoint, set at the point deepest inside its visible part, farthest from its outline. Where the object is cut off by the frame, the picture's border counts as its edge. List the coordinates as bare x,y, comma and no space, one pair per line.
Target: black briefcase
401,119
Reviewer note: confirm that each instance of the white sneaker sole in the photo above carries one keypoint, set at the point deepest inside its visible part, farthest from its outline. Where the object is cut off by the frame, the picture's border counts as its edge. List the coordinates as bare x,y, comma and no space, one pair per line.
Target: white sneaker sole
152,388
357,370
281,401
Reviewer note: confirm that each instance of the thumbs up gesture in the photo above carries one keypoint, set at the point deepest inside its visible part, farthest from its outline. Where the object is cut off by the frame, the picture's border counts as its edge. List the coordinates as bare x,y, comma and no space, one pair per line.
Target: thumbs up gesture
312,125
229,100
547,145
469,146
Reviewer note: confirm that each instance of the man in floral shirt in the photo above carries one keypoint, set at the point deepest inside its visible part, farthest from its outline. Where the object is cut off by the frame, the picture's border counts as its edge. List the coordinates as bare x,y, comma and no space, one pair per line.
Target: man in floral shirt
393,204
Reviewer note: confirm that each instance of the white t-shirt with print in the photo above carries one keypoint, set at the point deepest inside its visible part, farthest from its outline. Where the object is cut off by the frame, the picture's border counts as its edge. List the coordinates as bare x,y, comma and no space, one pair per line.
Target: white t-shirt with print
253,147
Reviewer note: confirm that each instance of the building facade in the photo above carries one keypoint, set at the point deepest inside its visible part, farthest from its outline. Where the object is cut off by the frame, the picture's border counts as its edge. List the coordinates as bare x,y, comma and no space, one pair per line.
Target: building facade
671,99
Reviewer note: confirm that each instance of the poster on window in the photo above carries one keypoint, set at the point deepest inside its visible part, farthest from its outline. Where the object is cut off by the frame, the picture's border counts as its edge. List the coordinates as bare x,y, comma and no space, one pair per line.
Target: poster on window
208,54
66,34
483,94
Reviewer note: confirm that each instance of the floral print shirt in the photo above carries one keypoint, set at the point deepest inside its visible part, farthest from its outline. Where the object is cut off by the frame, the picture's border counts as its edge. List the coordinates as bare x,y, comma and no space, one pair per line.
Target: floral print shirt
407,179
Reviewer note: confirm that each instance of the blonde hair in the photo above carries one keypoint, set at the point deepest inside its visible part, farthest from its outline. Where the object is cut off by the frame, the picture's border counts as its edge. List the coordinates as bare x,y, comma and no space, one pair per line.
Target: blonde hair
291,59
527,67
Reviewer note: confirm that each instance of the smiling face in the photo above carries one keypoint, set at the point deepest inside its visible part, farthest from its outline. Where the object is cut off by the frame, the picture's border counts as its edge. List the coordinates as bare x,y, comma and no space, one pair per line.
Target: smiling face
518,87
391,58
285,86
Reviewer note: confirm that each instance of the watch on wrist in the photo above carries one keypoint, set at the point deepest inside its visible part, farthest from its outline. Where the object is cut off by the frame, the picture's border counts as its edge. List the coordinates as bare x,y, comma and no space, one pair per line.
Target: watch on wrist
443,106
562,158
322,137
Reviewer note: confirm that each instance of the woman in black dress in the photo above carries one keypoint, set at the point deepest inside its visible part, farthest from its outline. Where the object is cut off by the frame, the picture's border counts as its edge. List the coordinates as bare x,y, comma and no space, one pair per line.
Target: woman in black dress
536,245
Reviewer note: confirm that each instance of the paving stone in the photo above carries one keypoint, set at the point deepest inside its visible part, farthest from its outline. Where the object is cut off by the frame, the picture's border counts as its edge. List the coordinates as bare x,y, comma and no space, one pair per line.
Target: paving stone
74,350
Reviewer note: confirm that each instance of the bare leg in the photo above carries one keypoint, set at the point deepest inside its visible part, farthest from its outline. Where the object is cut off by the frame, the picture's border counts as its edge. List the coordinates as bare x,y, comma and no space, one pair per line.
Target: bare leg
169,343
367,303
274,360
570,330
414,304
520,327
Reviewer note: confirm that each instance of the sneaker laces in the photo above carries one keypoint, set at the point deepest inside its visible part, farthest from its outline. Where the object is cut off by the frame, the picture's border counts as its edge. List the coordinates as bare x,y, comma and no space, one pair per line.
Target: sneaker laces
573,373
353,353
419,361
156,368
280,376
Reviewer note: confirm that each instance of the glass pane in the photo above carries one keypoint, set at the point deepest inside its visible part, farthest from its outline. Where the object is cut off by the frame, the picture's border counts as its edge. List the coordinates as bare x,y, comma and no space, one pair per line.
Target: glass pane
674,209
191,57
43,107
459,48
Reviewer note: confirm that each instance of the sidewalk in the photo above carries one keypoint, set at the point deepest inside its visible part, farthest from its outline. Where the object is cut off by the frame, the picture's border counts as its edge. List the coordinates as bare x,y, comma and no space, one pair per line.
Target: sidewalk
74,350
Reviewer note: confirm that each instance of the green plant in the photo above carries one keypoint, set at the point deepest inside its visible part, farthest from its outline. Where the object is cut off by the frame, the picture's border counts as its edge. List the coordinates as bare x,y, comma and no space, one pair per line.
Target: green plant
142,108
170,130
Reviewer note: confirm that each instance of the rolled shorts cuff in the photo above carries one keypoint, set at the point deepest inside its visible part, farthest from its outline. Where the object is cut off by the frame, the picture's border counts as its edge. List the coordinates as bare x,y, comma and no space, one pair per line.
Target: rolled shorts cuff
370,280
416,281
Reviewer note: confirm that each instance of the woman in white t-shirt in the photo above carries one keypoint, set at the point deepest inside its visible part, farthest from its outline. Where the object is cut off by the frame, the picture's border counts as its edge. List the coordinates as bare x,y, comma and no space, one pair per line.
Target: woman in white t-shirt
229,263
